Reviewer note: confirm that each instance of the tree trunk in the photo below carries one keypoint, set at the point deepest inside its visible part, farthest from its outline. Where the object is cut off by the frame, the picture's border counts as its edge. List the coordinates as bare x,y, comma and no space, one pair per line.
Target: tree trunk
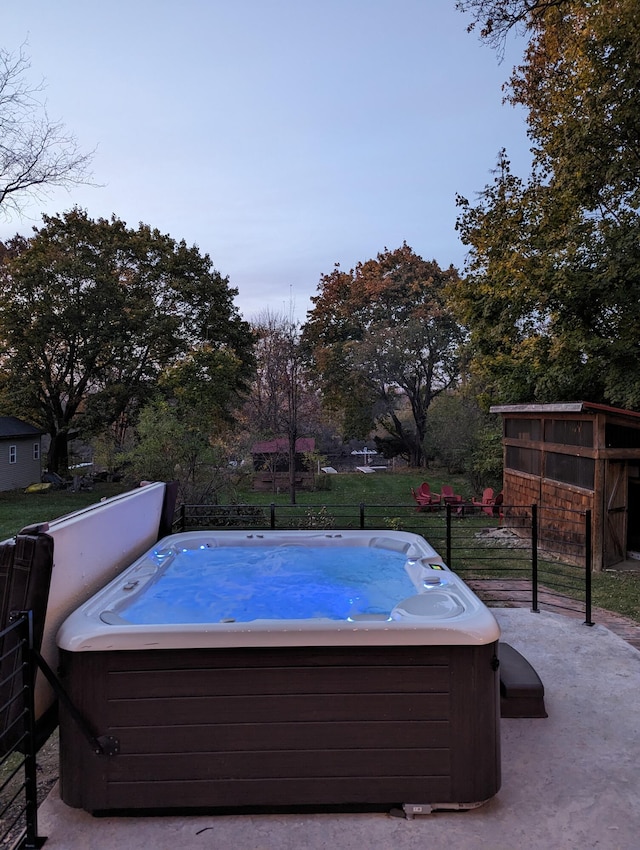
58,455
292,468
413,443
417,457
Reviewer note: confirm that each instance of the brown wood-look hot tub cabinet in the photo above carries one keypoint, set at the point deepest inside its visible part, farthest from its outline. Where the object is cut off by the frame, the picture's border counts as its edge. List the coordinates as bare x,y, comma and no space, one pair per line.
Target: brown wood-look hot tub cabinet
370,726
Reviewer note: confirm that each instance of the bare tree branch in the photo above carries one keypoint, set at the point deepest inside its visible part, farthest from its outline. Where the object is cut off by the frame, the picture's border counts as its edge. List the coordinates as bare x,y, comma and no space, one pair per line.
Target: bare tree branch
36,154
496,18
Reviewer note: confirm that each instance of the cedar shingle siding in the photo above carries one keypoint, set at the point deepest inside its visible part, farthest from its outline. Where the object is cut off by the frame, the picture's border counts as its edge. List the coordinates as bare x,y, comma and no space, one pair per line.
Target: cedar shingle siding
20,451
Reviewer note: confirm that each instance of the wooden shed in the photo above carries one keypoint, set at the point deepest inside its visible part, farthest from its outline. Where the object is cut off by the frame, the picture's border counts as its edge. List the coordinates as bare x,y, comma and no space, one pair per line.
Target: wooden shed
571,457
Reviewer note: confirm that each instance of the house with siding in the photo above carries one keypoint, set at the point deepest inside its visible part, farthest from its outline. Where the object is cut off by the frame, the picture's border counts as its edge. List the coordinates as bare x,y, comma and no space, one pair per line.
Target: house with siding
20,453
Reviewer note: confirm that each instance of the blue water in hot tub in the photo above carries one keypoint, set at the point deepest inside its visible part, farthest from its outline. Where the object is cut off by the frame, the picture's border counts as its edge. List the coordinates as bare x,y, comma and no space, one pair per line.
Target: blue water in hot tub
289,582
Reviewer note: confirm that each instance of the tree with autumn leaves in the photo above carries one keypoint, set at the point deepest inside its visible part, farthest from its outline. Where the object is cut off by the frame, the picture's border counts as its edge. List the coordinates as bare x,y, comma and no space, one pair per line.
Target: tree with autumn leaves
548,308
383,345
550,298
552,292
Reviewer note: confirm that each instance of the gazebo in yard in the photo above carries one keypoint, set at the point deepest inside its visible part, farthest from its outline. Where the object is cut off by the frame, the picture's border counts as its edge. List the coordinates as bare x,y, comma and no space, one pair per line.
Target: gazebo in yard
571,457
271,463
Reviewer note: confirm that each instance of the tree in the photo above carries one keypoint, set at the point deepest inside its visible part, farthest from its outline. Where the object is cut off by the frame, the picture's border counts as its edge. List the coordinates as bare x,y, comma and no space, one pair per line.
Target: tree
35,154
281,402
465,439
385,344
91,315
552,298
183,432
173,443
498,17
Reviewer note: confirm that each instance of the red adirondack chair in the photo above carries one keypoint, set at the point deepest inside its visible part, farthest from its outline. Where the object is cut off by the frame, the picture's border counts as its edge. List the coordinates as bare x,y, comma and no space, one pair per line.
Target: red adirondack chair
449,497
490,505
424,497
424,490
487,501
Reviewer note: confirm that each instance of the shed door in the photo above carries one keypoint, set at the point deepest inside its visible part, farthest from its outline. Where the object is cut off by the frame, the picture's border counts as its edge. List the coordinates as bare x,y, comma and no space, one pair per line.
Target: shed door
615,513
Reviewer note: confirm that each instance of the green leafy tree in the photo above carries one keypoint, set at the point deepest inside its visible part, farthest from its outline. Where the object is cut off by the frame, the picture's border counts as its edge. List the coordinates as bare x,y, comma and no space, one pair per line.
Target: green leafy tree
465,439
552,295
93,313
184,432
206,378
384,344
173,445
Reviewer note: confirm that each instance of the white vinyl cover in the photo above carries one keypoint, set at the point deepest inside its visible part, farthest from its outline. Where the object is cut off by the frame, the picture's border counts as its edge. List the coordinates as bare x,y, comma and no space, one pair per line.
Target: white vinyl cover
91,547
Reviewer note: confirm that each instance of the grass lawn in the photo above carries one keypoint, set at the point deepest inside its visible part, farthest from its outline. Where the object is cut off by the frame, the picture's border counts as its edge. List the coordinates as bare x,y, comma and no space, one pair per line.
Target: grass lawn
18,509
384,488
619,592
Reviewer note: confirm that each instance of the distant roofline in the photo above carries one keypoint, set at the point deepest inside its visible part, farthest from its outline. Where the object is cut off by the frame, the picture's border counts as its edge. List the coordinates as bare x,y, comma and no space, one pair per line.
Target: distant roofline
11,427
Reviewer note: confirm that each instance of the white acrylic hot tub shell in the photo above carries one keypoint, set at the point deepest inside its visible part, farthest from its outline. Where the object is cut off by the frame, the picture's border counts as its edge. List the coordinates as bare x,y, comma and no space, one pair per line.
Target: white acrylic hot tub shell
456,617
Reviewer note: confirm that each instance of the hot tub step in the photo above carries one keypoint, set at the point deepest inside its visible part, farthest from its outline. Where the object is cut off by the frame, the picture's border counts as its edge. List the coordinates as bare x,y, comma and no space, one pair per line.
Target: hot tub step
521,690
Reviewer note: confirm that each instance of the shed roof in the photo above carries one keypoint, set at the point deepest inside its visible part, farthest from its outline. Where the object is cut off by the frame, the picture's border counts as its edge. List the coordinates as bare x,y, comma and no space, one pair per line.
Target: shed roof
564,407
11,426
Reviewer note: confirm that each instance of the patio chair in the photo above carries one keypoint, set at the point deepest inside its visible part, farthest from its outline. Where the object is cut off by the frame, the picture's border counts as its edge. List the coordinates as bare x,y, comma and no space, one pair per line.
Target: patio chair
424,497
497,506
449,497
487,502
425,490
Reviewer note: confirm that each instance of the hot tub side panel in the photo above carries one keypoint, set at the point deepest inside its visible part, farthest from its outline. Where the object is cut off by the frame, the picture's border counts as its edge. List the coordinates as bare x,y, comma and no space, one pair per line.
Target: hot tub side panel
282,727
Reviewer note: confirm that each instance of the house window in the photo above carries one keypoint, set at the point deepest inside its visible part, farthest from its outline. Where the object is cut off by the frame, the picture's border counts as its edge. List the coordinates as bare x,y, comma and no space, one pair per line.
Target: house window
36,451
13,454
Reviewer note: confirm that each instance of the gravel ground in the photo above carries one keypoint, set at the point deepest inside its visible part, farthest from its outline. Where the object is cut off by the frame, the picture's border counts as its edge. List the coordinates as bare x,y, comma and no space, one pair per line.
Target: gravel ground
48,766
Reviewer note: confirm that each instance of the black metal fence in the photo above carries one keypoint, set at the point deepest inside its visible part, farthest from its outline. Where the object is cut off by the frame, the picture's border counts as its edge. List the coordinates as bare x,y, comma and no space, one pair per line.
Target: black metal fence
508,557
18,747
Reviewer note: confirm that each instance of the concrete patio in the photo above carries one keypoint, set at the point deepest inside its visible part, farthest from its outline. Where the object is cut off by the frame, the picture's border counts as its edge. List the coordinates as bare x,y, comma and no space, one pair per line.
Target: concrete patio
571,780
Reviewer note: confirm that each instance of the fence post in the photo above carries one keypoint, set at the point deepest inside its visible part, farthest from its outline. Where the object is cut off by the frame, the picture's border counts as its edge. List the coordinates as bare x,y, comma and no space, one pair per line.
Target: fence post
361,516
588,555
448,518
29,667
534,559
272,515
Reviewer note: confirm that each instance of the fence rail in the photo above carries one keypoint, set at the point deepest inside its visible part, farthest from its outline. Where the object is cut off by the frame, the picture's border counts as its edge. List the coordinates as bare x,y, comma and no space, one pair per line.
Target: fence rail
18,748
505,558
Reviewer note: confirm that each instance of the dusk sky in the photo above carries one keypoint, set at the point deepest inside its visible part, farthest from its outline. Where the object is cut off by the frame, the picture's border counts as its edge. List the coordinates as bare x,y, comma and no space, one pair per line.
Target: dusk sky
280,136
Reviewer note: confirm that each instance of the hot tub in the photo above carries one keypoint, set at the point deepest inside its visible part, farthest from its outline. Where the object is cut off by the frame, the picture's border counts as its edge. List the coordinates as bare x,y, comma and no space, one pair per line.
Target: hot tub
282,669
